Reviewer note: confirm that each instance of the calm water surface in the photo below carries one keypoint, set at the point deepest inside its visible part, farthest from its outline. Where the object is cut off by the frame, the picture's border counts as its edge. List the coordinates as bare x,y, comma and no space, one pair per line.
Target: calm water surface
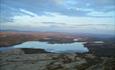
57,48
66,47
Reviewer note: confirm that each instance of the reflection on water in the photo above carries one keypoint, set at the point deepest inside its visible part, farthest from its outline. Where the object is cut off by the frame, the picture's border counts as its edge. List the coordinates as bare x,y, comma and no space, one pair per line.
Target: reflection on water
57,48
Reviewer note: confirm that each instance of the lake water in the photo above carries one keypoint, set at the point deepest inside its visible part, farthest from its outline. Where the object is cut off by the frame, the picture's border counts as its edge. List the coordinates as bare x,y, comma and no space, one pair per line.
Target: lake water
57,48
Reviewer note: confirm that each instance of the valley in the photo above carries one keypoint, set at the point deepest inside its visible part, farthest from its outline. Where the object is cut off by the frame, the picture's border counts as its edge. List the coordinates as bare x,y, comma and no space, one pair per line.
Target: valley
100,56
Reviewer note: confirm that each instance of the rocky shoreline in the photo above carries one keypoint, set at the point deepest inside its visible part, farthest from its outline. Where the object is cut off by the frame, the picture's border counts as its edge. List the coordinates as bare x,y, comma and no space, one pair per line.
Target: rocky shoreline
17,59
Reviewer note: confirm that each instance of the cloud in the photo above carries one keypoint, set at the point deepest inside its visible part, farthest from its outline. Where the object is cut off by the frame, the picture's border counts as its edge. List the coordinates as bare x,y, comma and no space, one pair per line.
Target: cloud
102,14
59,22
66,7
105,1
84,9
27,12
58,1
58,15
53,23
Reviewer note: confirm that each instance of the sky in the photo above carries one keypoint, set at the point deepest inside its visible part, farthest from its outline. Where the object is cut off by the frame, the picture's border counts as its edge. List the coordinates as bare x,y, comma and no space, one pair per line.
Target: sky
77,16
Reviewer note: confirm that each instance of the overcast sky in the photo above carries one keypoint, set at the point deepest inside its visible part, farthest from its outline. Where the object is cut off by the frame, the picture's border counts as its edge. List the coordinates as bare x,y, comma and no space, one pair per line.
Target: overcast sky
58,15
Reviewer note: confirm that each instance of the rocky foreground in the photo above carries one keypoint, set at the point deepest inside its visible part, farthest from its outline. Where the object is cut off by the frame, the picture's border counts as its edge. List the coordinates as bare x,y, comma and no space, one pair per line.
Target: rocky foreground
19,59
